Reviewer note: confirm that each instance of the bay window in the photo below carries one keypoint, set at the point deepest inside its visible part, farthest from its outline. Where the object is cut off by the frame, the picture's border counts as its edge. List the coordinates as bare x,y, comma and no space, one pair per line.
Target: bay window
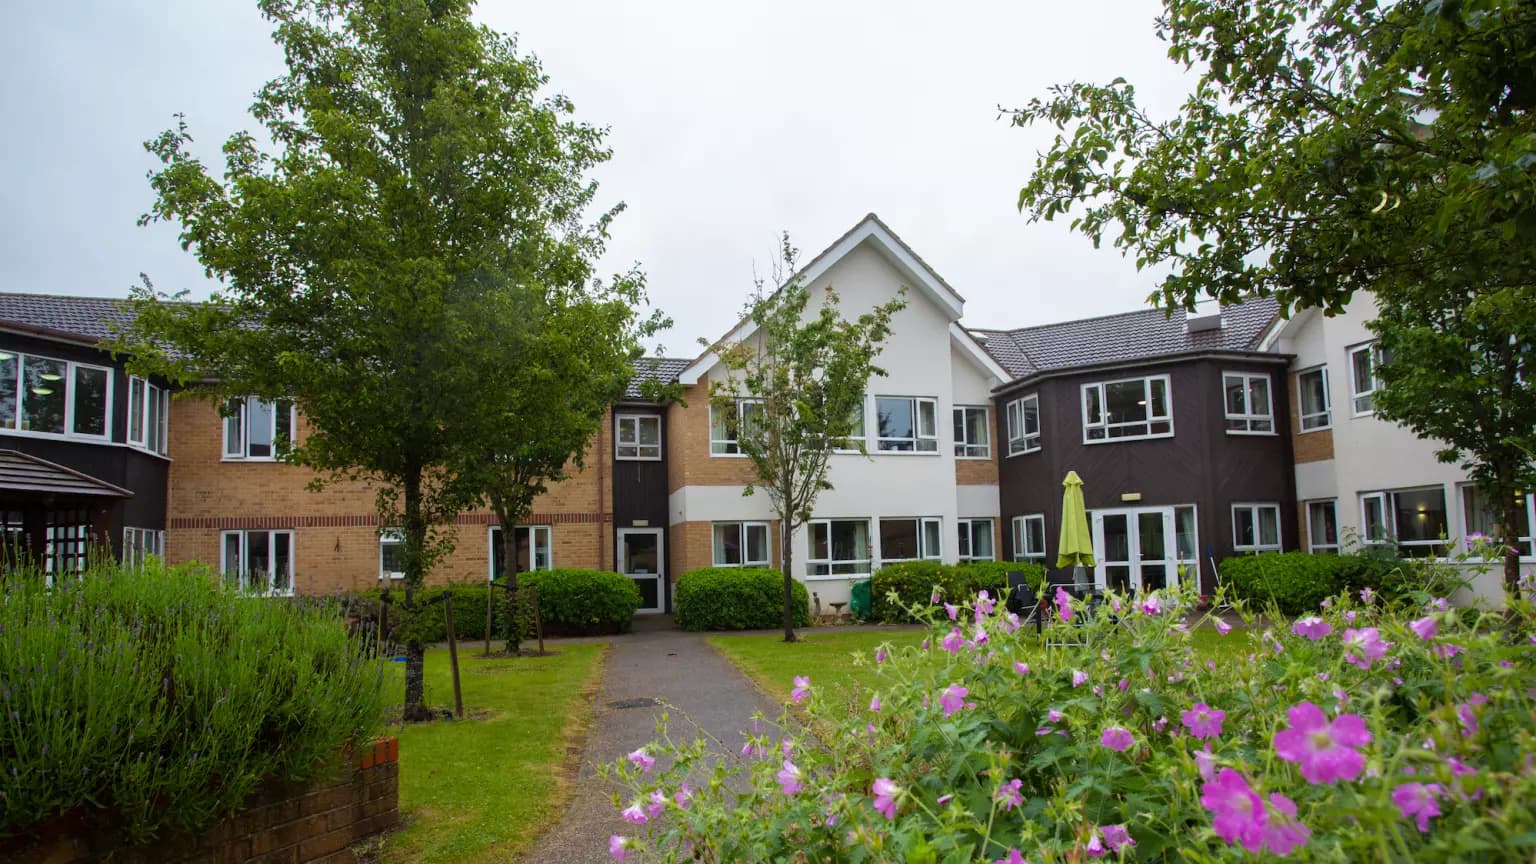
1249,407
54,397
1128,409
1023,419
139,543
149,409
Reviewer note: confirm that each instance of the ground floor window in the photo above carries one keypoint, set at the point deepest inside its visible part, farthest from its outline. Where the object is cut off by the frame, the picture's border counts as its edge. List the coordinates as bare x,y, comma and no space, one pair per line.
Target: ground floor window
260,562
68,539
1412,519
535,549
1145,548
392,555
1323,526
139,543
976,540
839,548
1478,518
1256,527
910,540
1029,538
741,544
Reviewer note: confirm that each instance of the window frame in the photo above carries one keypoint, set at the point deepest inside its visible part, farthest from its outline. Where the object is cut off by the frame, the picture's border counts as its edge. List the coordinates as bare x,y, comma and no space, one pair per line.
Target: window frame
1021,538
921,524
1527,541
1313,546
733,443
857,442
242,415
918,439
829,563
963,444
1020,440
742,528
69,380
534,532
1101,387
1301,411
619,421
965,538
1254,508
135,549
1372,351
150,433
390,537
1248,417
1391,536
245,547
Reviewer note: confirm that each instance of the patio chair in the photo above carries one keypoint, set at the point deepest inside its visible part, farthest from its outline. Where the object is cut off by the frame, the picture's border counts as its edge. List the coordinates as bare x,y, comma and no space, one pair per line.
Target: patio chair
1023,601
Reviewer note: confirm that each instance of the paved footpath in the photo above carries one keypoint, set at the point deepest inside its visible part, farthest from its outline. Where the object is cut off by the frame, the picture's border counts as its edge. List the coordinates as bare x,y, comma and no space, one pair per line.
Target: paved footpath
668,666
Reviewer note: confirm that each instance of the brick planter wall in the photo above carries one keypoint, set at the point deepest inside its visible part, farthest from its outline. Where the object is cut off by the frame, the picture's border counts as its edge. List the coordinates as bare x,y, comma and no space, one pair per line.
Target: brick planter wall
285,822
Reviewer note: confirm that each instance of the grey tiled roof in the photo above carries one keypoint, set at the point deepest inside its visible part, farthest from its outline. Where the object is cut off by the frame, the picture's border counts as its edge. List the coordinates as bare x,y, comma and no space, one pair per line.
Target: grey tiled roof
1142,335
89,318
663,369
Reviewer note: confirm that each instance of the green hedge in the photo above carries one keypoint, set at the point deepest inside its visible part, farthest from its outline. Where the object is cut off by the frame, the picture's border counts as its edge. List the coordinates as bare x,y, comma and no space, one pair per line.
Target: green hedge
1298,581
914,581
737,598
468,611
596,600
155,700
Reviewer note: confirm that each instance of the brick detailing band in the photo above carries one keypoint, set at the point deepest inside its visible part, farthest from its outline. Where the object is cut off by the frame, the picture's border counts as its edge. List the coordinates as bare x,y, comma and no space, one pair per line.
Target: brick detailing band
367,521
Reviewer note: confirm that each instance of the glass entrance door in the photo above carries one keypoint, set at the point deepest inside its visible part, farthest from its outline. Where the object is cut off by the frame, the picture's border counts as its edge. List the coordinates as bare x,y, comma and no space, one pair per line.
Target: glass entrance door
640,558
1141,548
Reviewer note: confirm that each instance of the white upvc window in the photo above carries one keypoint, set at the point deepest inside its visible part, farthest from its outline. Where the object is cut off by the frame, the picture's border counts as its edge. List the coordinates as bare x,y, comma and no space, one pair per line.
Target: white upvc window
973,438
740,544
139,543
258,429
1127,409
637,437
857,440
534,544
1414,520
1312,394
914,539
976,540
725,427
839,549
1364,377
149,410
1250,409
907,424
258,562
1256,527
45,396
392,554
1477,517
1029,538
1323,526
1023,419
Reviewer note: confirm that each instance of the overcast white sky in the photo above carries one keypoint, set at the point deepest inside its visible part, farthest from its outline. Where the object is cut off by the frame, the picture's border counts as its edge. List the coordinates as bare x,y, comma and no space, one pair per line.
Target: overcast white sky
730,122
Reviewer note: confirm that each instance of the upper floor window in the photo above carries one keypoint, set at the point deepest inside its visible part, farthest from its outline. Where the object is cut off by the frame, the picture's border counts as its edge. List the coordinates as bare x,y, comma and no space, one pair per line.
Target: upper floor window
907,424
1133,408
257,429
1478,517
741,544
1249,408
725,427
972,440
1323,526
1024,425
1029,538
1364,376
149,409
910,540
54,397
637,436
1256,527
856,435
976,540
1312,394
260,562
1412,519
532,544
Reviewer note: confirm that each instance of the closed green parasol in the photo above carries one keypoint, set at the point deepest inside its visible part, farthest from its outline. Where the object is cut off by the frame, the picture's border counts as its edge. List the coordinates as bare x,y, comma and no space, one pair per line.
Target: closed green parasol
1076,547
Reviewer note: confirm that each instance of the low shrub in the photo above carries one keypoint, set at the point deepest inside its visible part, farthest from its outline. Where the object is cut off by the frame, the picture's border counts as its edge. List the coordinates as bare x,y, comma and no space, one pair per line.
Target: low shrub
737,598
575,600
1368,732
914,582
153,700
468,611
1296,582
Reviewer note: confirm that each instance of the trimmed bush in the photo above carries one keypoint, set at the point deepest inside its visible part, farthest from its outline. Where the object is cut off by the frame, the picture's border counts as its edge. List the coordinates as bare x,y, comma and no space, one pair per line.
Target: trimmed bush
993,575
1298,581
584,601
737,598
468,611
156,700
914,581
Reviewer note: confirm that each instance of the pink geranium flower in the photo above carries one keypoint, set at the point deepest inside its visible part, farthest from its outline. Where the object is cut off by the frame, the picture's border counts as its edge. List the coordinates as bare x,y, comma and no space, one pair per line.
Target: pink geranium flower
885,792
954,641
1425,628
618,847
874,702
1117,837
1151,606
642,760
1237,812
1009,794
1014,857
657,805
683,796
634,814
1282,831
1117,738
881,655
1418,801
979,638
802,689
789,778
1312,627
984,605
1063,604
1095,847
1364,646
952,611
1021,667
1203,721
1325,751
1223,627
1079,678
953,699
1205,761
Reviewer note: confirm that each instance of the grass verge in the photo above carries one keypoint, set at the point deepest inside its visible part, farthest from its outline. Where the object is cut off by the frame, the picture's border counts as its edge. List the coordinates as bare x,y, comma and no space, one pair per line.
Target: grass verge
481,789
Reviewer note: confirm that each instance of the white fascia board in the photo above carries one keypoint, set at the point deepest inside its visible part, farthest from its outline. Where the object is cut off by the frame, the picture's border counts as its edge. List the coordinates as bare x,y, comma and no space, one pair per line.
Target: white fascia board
978,355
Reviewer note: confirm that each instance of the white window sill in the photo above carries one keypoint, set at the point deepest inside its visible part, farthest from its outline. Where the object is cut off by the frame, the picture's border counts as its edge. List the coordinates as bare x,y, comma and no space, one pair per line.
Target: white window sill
987,458
837,578
1241,433
1124,438
1324,428
903,453
637,458
1013,453
714,455
260,459
59,436
1254,550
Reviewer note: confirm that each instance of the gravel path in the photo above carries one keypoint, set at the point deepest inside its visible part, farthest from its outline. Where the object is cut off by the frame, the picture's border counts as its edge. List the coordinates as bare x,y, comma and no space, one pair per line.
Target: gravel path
651,664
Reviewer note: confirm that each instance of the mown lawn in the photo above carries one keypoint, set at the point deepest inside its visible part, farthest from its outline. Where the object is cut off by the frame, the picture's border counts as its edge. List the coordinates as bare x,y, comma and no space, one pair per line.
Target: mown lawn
479,790
825,655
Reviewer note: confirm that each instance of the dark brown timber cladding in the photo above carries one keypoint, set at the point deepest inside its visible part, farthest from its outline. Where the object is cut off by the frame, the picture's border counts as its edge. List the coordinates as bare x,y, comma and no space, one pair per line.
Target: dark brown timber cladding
640,494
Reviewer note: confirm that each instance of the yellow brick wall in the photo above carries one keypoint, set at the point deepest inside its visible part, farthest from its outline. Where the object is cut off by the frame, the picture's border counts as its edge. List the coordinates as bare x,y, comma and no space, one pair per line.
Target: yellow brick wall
693,546
1314,446
335,529
976,471
689,462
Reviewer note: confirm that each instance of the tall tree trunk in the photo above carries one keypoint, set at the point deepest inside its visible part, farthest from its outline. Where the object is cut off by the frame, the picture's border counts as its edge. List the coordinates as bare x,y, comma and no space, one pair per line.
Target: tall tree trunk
509,569
415,650
1509,542
787,558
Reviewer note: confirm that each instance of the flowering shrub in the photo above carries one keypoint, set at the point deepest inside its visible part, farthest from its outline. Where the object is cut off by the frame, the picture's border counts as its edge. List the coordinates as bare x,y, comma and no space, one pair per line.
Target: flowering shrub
1365,732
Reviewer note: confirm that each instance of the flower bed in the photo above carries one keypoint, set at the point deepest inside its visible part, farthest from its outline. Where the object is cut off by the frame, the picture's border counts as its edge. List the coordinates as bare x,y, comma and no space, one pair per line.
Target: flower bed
1360,733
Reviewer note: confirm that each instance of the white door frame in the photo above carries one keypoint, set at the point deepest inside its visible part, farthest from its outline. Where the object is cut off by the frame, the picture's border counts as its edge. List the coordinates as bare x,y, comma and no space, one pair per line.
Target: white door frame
660,576
1133,515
